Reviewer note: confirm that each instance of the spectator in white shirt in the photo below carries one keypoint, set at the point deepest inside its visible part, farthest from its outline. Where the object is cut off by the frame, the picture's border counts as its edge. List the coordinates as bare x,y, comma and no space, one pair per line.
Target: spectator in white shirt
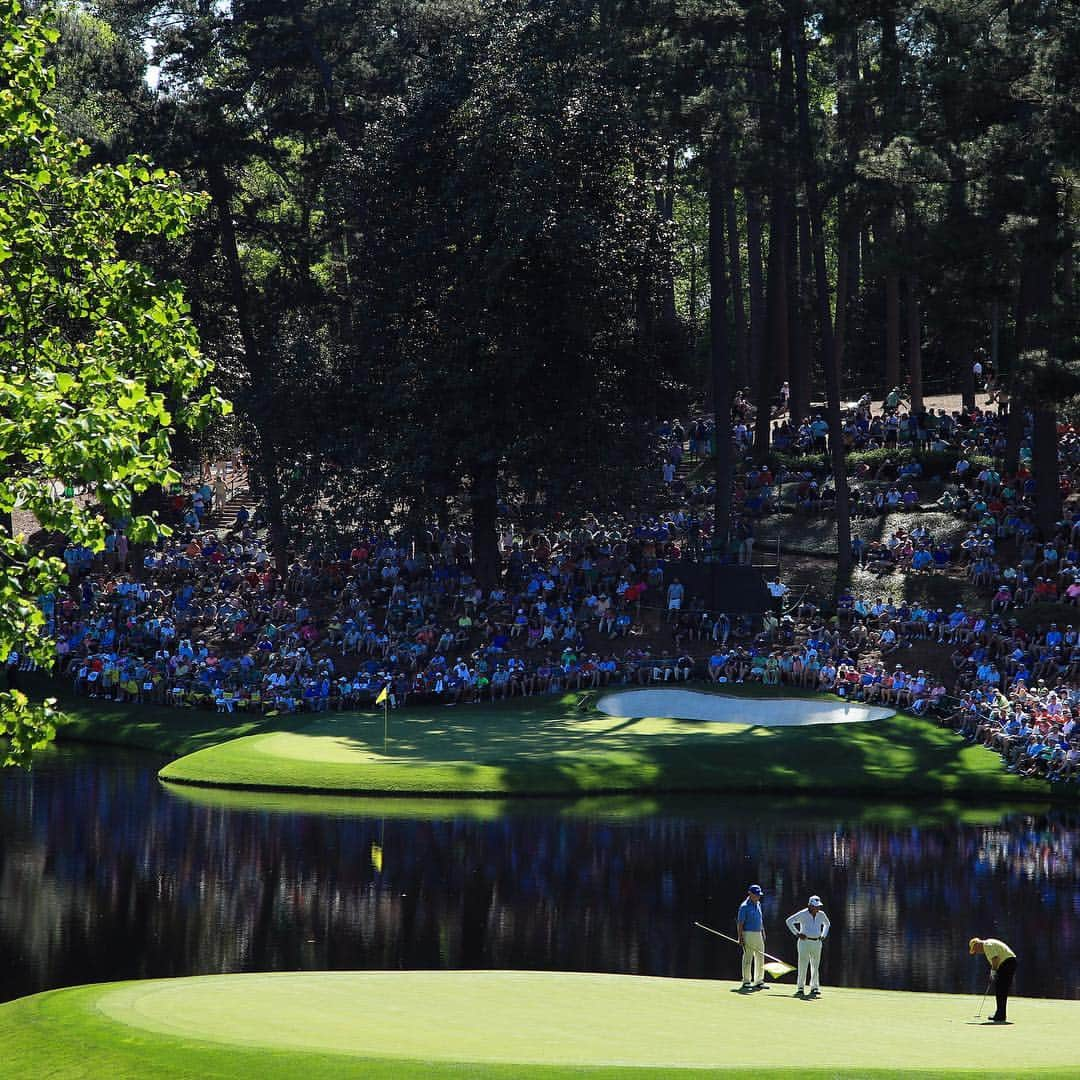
811,927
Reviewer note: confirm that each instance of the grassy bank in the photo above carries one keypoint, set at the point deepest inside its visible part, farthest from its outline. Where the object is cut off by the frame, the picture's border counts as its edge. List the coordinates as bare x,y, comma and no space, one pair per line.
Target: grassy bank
526,1025
548,746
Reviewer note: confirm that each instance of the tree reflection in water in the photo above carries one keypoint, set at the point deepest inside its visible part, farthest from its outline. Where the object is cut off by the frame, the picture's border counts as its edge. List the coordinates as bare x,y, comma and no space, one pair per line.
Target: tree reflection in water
106,875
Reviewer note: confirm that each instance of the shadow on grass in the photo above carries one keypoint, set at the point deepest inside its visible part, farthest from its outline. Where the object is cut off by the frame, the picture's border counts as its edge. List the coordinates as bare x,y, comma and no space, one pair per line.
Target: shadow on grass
174,731
548,746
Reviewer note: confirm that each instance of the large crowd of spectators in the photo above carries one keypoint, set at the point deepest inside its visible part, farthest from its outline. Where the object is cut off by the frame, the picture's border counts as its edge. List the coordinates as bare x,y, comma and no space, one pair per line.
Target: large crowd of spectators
203,619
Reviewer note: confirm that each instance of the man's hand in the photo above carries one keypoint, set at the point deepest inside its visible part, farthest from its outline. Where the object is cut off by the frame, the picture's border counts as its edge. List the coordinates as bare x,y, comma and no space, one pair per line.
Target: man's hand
802,937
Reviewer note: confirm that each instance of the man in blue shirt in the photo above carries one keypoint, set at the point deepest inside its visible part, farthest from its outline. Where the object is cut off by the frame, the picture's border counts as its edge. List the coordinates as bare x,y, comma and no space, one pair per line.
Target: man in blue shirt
752,939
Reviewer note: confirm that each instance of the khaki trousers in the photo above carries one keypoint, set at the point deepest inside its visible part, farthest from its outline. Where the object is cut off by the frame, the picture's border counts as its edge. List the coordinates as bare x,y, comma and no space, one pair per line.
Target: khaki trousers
753,955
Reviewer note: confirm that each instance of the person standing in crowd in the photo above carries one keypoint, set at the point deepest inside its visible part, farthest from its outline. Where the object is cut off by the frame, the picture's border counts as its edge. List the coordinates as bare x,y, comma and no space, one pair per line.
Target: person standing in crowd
811,927
777,591
1003,962
752,939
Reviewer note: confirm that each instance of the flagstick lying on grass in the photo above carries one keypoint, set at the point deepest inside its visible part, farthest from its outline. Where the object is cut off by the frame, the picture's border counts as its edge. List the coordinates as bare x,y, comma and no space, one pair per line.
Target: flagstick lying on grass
777,968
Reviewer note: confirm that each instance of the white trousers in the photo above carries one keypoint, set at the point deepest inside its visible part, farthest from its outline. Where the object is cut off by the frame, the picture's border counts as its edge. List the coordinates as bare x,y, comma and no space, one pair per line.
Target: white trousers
809,963
753,950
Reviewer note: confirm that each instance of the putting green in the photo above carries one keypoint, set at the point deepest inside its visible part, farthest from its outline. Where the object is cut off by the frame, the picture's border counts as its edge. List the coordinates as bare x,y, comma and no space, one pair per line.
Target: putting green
529,1023
552,746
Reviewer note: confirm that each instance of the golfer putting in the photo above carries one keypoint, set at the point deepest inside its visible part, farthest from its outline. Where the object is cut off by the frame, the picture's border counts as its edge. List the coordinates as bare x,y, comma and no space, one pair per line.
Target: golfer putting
751,926
811,927
1002,961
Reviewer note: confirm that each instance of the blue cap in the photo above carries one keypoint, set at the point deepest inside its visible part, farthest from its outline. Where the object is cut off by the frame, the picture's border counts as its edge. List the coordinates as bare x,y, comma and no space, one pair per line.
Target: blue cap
756,890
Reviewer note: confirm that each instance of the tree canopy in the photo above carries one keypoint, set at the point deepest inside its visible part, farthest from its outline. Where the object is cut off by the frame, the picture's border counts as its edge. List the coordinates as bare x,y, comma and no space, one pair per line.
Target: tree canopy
98,361
457,255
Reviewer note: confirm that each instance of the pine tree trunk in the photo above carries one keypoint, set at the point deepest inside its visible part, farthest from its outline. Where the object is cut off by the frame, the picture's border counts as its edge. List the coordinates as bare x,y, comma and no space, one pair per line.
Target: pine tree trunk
775,368
483,509
886,236
830,360
914,343
1044,459
692,287
720,359
738,310
755,279
847,231
849,130
995,337
796,293
221,198
892,331
1014,428
666,207
774,359
1047,340
802,340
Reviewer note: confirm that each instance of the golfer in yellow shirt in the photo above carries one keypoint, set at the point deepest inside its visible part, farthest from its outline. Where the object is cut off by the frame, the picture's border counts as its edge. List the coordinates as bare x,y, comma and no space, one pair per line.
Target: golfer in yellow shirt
1003,960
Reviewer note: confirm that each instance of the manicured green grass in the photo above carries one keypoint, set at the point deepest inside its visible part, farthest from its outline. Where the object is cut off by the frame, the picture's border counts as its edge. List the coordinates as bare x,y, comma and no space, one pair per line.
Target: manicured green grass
547,746
528,1025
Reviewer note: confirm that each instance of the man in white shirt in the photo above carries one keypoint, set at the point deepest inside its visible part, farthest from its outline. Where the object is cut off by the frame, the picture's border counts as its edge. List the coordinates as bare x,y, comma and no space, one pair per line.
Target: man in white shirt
811,927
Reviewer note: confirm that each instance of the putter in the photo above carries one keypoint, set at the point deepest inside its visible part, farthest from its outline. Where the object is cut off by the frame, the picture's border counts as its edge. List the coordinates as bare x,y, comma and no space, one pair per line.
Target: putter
978,1015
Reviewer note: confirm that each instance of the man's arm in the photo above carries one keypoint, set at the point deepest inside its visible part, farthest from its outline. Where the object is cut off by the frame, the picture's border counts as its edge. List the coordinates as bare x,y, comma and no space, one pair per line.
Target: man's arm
825,926
792,921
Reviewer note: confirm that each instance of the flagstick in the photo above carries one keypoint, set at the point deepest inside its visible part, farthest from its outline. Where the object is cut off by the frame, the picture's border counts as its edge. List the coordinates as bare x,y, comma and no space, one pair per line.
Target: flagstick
386,721
736,941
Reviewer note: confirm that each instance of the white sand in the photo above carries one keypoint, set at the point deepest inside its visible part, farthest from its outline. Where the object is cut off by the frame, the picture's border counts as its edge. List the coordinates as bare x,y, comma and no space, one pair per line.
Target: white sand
760,712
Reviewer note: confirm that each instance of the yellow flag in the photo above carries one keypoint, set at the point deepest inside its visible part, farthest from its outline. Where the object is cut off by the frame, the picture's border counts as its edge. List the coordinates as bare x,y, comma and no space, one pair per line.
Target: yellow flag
778,969
384,693
376,857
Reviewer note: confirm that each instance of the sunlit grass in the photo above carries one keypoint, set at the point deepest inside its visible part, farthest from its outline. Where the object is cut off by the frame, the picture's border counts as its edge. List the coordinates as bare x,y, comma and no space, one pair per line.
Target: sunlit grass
525,1025
548,746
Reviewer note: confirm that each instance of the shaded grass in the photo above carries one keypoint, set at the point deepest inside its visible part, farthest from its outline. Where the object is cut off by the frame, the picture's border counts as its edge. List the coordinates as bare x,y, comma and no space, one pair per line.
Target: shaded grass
147,727
534,1026
546,746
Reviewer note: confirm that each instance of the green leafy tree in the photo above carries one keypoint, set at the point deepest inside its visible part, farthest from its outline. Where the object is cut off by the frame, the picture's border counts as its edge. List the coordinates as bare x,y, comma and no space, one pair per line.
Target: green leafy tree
98,362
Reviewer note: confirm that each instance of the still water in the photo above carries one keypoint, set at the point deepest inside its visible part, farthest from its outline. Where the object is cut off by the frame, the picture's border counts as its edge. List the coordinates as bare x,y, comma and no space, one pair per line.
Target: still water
105,874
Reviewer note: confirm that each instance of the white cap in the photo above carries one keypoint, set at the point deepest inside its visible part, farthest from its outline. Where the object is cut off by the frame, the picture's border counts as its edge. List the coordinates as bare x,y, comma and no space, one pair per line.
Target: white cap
814,901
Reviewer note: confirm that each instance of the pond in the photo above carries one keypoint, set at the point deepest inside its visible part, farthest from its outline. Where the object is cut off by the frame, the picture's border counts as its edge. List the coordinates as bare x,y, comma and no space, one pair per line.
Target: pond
105,874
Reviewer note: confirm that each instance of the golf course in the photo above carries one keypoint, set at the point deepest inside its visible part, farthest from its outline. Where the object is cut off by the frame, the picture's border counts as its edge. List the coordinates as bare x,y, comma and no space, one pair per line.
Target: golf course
612,758
572,745
518,1024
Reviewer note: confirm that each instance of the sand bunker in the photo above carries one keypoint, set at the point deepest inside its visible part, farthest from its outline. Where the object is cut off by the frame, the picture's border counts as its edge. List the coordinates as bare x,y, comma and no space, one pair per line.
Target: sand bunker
768,712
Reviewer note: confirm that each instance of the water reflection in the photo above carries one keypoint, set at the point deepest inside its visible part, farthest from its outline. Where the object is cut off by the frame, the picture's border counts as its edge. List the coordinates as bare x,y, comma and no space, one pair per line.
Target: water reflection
106,875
